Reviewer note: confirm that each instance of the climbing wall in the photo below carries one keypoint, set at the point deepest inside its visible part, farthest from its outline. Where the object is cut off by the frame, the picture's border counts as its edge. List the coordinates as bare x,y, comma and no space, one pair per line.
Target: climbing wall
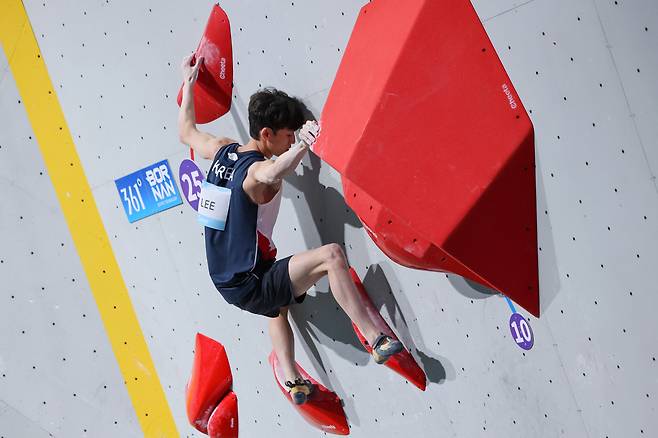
585,70
56,366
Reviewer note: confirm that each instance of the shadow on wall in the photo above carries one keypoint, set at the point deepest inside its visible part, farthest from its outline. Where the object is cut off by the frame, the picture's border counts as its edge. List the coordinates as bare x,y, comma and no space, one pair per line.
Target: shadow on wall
403,321
320,199
322,312
238,114
469,288
549,277
437,368
334,324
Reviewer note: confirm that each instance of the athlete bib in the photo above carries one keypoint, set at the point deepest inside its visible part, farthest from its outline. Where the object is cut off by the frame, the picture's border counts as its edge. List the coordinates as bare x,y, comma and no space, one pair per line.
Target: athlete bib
213,205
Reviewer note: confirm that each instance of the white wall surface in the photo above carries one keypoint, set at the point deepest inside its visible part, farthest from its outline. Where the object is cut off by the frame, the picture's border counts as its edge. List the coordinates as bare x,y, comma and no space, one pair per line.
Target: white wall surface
585,69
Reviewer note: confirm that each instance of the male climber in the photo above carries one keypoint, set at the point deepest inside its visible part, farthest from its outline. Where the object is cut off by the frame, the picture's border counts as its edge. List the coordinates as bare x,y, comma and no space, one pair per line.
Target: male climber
242,257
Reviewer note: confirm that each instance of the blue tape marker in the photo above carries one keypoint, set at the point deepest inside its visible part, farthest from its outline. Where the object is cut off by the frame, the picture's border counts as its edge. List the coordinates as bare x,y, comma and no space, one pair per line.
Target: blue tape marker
511,305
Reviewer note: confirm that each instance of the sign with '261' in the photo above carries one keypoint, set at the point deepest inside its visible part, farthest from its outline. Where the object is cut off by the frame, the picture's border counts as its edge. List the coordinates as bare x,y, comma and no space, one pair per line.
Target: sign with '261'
148,191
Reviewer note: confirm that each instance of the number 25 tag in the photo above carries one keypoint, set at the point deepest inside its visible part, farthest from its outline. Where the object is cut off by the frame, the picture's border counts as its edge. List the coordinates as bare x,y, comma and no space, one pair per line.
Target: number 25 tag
191,178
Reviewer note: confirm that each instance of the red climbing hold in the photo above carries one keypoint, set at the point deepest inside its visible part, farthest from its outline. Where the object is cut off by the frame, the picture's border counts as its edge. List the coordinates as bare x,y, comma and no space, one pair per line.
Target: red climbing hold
436,150
210,387
223,422
322,410
214,86
402,363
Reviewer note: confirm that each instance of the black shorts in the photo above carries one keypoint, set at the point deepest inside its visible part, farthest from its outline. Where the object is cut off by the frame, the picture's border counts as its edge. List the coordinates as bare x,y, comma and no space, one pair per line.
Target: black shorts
264,293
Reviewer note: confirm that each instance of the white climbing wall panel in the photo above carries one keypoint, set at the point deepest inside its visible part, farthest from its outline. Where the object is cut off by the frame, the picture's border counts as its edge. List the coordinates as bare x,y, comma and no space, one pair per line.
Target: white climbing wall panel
586,71
57,371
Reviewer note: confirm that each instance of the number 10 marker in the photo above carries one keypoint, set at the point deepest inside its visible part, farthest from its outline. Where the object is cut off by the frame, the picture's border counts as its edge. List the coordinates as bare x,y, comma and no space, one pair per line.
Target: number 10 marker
521,331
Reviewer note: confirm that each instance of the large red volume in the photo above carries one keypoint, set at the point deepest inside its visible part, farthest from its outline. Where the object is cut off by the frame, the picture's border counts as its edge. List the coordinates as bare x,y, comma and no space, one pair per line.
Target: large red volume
323,409
214,86
434,145
210,382
402,363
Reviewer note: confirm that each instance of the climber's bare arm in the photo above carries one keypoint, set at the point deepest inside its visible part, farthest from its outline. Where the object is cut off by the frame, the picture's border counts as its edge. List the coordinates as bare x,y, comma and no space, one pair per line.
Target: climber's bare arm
203,144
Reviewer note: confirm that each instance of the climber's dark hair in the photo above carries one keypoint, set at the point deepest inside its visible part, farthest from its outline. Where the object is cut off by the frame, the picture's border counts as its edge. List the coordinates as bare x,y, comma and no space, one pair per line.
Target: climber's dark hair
274,109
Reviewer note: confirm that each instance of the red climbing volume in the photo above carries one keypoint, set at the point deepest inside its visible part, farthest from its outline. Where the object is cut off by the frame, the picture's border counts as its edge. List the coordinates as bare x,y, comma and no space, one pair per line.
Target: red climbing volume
212,407
437,151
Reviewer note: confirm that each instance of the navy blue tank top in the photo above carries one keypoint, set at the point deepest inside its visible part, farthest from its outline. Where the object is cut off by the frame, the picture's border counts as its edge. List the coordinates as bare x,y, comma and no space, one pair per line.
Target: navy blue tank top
241,248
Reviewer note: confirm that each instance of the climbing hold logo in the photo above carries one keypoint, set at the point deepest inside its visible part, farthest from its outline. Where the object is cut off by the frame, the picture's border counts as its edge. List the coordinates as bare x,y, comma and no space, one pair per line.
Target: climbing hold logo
222,68
510,98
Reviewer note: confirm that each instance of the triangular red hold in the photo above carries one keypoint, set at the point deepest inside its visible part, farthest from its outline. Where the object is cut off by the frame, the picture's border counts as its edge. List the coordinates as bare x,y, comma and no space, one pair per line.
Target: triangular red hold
436,150
214,86
322,410
211,380
402,363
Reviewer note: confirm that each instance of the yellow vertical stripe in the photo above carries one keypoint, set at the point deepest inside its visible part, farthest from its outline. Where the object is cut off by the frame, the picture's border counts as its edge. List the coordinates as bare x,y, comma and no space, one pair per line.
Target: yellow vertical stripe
84,222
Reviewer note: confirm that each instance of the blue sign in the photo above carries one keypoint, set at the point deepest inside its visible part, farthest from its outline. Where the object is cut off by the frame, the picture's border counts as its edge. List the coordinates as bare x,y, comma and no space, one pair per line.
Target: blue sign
148,191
